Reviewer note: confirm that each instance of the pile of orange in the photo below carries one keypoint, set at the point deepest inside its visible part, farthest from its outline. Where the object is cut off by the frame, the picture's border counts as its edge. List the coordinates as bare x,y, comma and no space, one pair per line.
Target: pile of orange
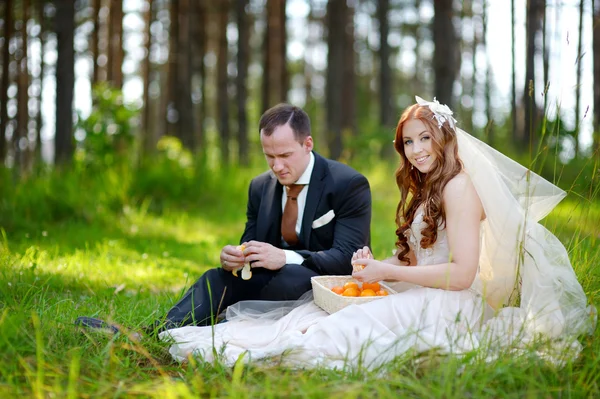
352,288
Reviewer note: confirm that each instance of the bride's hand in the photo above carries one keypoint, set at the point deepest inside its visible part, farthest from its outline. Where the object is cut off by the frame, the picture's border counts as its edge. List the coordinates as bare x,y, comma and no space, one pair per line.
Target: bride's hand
362,253
373,271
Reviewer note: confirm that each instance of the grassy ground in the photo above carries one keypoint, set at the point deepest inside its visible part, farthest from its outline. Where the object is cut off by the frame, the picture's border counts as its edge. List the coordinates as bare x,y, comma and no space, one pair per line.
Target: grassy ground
130,267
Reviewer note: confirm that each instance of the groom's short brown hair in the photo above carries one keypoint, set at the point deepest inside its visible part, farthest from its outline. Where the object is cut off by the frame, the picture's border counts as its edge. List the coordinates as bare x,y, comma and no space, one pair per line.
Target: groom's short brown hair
282,114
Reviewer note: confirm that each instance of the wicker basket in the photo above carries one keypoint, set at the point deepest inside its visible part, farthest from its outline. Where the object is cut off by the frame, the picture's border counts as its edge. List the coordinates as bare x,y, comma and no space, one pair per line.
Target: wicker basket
331,302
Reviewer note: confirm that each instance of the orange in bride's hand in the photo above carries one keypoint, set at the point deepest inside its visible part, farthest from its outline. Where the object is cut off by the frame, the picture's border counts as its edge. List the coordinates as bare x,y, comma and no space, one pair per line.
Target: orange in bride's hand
371,286
351,291
351,284
338,290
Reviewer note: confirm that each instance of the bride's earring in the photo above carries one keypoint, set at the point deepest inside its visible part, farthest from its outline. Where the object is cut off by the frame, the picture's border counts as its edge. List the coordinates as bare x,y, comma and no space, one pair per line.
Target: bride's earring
411,167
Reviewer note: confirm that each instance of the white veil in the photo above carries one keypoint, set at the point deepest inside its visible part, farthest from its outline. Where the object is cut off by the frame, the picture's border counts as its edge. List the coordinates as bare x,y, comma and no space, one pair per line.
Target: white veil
522,264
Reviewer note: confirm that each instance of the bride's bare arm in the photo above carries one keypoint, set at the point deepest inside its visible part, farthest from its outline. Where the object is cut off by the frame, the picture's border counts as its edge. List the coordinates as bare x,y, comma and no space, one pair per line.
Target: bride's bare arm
464,213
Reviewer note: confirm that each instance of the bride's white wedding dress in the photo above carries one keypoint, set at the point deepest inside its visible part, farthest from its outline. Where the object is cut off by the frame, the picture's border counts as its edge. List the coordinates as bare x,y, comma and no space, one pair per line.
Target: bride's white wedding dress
370,334
521,264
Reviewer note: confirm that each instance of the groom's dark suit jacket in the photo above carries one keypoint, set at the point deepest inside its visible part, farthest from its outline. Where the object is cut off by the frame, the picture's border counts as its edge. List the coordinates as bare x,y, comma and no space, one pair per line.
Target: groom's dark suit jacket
327,249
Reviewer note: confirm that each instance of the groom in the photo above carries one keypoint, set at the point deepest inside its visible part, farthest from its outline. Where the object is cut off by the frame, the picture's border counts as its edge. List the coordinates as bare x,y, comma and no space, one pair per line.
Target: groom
305,217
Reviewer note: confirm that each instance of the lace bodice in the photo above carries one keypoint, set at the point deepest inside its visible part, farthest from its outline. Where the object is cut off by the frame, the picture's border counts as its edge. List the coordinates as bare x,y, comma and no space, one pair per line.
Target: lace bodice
438,253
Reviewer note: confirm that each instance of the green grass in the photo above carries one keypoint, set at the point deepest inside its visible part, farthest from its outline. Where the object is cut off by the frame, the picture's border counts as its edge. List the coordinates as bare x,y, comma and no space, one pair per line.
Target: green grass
130,265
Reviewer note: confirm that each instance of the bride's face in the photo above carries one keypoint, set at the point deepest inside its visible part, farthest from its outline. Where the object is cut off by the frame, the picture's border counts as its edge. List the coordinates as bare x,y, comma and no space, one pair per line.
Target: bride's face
418,145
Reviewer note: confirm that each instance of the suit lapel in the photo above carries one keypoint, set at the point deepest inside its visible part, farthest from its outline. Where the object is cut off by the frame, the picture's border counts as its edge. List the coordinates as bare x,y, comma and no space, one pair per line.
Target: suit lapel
315,191
270,213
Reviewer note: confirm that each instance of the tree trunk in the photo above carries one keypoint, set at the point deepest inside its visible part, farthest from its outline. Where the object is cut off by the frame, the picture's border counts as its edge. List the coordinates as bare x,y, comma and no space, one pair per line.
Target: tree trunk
223,81
200,42
446,58
336,18
578,84
488,79
529,104
386,117
349,77
275,86
171,117
65,79
241,80
545,57
8,33
115,45
185,127
596,50
95,41
39,117
516,132
22,149
148,135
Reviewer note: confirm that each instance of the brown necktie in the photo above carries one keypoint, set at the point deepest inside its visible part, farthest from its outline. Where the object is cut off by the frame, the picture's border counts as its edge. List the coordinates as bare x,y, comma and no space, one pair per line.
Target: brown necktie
290,214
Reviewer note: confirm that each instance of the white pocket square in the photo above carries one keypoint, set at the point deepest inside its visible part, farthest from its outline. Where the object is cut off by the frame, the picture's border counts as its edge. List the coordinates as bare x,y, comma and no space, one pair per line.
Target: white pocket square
323,220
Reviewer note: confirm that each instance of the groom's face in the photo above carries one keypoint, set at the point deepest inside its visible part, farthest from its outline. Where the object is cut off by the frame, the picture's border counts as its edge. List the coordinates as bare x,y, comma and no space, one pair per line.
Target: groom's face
286,157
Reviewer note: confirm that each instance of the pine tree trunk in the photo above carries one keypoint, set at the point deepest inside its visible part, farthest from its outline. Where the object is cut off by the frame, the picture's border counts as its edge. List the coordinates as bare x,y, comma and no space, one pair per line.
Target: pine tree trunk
39,117
115,45
65,79
349,77
596,51
241,80
516,131
8,33
200,41
148,131
529,104
578,84
446,58
336,17
386,117
488,79
95,41
275,77
223,81
185,127
22,149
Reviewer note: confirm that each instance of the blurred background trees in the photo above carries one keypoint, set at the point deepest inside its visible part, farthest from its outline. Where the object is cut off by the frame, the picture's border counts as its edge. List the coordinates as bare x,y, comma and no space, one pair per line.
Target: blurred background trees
107,79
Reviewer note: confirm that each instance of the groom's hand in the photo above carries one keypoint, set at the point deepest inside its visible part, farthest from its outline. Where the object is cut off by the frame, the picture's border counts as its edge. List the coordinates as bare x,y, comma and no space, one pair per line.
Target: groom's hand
261,254
232,258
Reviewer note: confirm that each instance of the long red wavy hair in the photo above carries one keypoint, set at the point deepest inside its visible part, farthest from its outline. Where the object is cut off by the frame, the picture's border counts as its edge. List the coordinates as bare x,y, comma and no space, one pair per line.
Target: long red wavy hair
418,188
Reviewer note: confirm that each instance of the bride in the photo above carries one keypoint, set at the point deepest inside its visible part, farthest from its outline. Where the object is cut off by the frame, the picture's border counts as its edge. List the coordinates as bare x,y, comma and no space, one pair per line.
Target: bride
473,268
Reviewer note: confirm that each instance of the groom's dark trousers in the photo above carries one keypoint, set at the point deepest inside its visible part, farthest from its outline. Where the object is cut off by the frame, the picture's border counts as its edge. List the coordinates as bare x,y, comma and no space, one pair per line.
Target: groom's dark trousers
338,199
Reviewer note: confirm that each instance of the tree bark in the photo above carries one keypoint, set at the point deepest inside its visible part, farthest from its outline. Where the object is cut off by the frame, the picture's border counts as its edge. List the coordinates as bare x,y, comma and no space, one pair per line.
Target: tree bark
578,84
241,80
148,135
223,81
534,8
65,79
596,50
115,45
22,149
8,33
336,17
446,58
516,132
275,78
95,41
386,117
183,99
349,86
39,117
200,42
171,117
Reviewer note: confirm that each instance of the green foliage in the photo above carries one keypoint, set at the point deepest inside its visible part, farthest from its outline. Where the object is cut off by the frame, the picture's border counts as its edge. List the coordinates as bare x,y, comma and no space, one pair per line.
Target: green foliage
89,242
108,132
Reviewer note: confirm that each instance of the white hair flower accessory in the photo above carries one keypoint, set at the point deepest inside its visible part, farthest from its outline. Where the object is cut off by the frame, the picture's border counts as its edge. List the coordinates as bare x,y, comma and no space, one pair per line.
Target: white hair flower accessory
441,112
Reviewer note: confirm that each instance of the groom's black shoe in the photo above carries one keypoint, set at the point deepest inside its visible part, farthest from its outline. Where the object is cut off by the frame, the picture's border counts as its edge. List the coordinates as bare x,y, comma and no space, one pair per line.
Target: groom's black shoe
96,324
102,326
